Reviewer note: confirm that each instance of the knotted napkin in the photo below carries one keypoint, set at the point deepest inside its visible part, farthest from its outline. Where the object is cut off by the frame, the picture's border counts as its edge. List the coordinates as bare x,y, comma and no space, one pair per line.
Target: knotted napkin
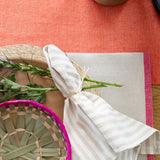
96,130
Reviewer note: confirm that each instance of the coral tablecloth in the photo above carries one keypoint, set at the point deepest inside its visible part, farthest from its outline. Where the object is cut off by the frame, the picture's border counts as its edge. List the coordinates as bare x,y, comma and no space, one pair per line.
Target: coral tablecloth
83,26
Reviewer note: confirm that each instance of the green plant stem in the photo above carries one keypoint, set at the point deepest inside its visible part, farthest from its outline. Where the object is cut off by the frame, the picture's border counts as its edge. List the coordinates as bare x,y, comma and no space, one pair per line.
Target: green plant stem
93,86
48,89
41,89
42,72
55,88
105,83
2,90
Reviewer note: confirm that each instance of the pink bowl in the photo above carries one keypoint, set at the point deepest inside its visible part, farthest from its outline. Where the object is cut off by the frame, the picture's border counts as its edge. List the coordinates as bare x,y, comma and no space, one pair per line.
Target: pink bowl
51,114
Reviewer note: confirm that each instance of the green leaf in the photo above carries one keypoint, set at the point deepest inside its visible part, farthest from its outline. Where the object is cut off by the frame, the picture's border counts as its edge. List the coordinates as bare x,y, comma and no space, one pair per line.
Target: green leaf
6,96
1,86
1,65
38,96
10,84
35,96
35,86
12,77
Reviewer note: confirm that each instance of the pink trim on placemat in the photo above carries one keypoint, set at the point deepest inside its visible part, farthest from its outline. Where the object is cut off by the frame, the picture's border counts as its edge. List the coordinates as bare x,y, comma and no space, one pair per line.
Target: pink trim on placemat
148,93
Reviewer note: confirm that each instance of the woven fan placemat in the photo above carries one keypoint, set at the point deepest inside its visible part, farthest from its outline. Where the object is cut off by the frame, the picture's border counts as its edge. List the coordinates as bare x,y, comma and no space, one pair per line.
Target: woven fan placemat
31,131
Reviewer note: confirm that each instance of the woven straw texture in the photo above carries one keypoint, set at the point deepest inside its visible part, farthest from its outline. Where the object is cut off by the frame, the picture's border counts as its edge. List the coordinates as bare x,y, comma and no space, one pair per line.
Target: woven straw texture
30,131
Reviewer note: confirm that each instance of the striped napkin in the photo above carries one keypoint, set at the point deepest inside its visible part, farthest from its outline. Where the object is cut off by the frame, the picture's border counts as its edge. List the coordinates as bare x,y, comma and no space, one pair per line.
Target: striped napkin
96,130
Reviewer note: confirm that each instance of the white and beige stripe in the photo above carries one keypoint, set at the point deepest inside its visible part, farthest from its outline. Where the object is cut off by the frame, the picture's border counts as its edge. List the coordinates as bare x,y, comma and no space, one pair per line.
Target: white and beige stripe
95,129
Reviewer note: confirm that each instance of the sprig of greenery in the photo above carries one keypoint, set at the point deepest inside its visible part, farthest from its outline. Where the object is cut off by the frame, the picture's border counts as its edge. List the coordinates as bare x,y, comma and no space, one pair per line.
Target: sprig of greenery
20,66
36,70
13,90
10,89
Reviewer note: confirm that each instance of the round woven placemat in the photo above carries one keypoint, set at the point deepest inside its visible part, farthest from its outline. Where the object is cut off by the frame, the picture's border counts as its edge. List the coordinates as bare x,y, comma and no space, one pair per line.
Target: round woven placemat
31,131
34,55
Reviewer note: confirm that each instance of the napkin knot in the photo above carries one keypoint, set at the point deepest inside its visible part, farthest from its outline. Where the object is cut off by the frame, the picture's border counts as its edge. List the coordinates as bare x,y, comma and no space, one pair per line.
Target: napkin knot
80,85
71,94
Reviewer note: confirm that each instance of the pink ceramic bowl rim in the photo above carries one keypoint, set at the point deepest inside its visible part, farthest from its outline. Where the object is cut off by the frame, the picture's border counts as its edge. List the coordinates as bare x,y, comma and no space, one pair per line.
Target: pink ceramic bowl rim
51,114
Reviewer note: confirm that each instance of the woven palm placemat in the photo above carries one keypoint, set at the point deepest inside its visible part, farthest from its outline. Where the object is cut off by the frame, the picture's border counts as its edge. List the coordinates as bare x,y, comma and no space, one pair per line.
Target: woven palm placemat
31,131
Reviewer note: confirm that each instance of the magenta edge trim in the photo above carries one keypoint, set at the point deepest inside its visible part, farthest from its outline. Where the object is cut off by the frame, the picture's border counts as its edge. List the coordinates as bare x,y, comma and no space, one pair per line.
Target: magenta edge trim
148,93
44,108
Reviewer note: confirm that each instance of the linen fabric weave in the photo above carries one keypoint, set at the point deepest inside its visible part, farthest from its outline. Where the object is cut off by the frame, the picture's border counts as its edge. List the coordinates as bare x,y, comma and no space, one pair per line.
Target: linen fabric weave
96,130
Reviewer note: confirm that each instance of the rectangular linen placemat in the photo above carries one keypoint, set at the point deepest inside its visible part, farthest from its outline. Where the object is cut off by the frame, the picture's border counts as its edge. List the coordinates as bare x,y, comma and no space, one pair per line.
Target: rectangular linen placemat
130,69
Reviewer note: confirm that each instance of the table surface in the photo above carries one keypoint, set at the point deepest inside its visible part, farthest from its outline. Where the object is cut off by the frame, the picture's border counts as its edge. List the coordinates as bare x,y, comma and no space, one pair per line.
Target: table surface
85,26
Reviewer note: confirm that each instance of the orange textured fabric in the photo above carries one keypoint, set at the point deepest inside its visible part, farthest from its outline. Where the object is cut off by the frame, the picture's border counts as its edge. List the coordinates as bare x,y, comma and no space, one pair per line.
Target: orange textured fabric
83,26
